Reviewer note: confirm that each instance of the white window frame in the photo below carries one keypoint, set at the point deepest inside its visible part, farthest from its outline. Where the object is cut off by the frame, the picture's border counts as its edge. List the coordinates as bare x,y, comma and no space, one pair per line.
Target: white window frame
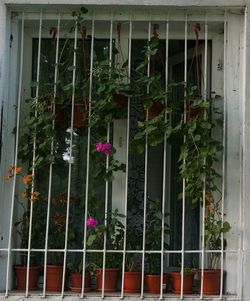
234,55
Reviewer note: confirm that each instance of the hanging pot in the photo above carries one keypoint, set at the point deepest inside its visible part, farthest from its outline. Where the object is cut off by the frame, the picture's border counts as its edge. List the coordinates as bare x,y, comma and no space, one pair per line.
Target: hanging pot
155,110
80,115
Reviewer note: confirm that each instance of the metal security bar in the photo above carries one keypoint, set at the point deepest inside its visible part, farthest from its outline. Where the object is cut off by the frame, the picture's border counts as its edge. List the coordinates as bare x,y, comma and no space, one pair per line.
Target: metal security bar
136,29
51,165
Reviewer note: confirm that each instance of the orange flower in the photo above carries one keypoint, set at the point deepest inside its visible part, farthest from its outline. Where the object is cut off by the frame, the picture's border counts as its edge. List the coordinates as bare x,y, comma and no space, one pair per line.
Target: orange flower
208,196
34,196
8,177
24,195
19,170
27,179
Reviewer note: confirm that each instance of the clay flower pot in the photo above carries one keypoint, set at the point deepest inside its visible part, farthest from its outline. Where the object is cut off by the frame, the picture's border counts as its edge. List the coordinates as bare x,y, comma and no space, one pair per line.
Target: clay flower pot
111,279
132,282
80,115
76,282
155,110
154,283
121,100
211,281
21,272
187,282
54,278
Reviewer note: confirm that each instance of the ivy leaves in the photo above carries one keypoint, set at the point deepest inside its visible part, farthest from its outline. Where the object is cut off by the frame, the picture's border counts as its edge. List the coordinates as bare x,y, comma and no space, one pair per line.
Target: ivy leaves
39,130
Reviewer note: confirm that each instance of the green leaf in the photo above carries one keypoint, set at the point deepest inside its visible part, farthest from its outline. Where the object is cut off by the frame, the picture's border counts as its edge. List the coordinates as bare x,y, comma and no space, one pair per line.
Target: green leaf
91,240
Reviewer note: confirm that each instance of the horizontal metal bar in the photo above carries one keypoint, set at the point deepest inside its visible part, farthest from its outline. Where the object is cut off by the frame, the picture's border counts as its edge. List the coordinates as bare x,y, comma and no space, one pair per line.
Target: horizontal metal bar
141,15
121,251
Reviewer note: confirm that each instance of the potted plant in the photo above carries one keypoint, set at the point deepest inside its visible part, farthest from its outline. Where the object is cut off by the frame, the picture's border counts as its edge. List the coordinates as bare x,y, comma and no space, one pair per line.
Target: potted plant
56,240
75,268
214,228
22,226
111,90
114,231
153,242
132,274
149,87
188,279
200,151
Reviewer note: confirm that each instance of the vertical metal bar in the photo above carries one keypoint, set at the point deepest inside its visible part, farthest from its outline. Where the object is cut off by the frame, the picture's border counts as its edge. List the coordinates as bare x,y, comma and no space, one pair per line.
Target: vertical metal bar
204,176
164,167
88,156
127,162
184,162
224,150
70,162
15,158
242,171
107,166
145,183
51,164
34,156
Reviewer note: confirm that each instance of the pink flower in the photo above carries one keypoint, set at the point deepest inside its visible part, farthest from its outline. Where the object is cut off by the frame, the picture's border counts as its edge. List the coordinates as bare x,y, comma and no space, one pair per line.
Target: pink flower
104,148
92,222
99,146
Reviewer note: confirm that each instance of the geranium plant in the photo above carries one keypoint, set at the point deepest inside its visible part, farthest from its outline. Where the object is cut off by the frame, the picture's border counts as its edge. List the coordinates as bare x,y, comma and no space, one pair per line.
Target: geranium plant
24,199
114,231
98,157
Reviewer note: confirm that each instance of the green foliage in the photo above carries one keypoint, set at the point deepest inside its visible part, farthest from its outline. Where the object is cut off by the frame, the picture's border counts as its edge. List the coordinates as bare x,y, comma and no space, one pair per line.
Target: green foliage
109,82
114,231
99,169
154,233
38,129
148,87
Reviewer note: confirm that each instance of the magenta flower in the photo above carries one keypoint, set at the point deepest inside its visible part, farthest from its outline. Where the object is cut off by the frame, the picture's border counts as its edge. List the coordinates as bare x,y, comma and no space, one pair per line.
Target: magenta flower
92,222
99,146
105,148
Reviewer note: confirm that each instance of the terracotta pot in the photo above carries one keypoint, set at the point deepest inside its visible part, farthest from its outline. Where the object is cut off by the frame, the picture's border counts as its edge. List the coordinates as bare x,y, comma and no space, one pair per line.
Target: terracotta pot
155,110
80,115
121,100
187,282
54,278
211,281
21,272
194,112
132,282
111,279
76,282
154,283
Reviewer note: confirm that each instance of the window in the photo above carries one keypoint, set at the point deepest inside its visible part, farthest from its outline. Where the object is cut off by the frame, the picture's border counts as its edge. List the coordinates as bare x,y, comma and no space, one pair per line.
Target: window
100,192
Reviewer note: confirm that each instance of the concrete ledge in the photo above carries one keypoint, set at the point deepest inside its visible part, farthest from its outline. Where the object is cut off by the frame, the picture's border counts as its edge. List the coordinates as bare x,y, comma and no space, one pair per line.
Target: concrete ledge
166,3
